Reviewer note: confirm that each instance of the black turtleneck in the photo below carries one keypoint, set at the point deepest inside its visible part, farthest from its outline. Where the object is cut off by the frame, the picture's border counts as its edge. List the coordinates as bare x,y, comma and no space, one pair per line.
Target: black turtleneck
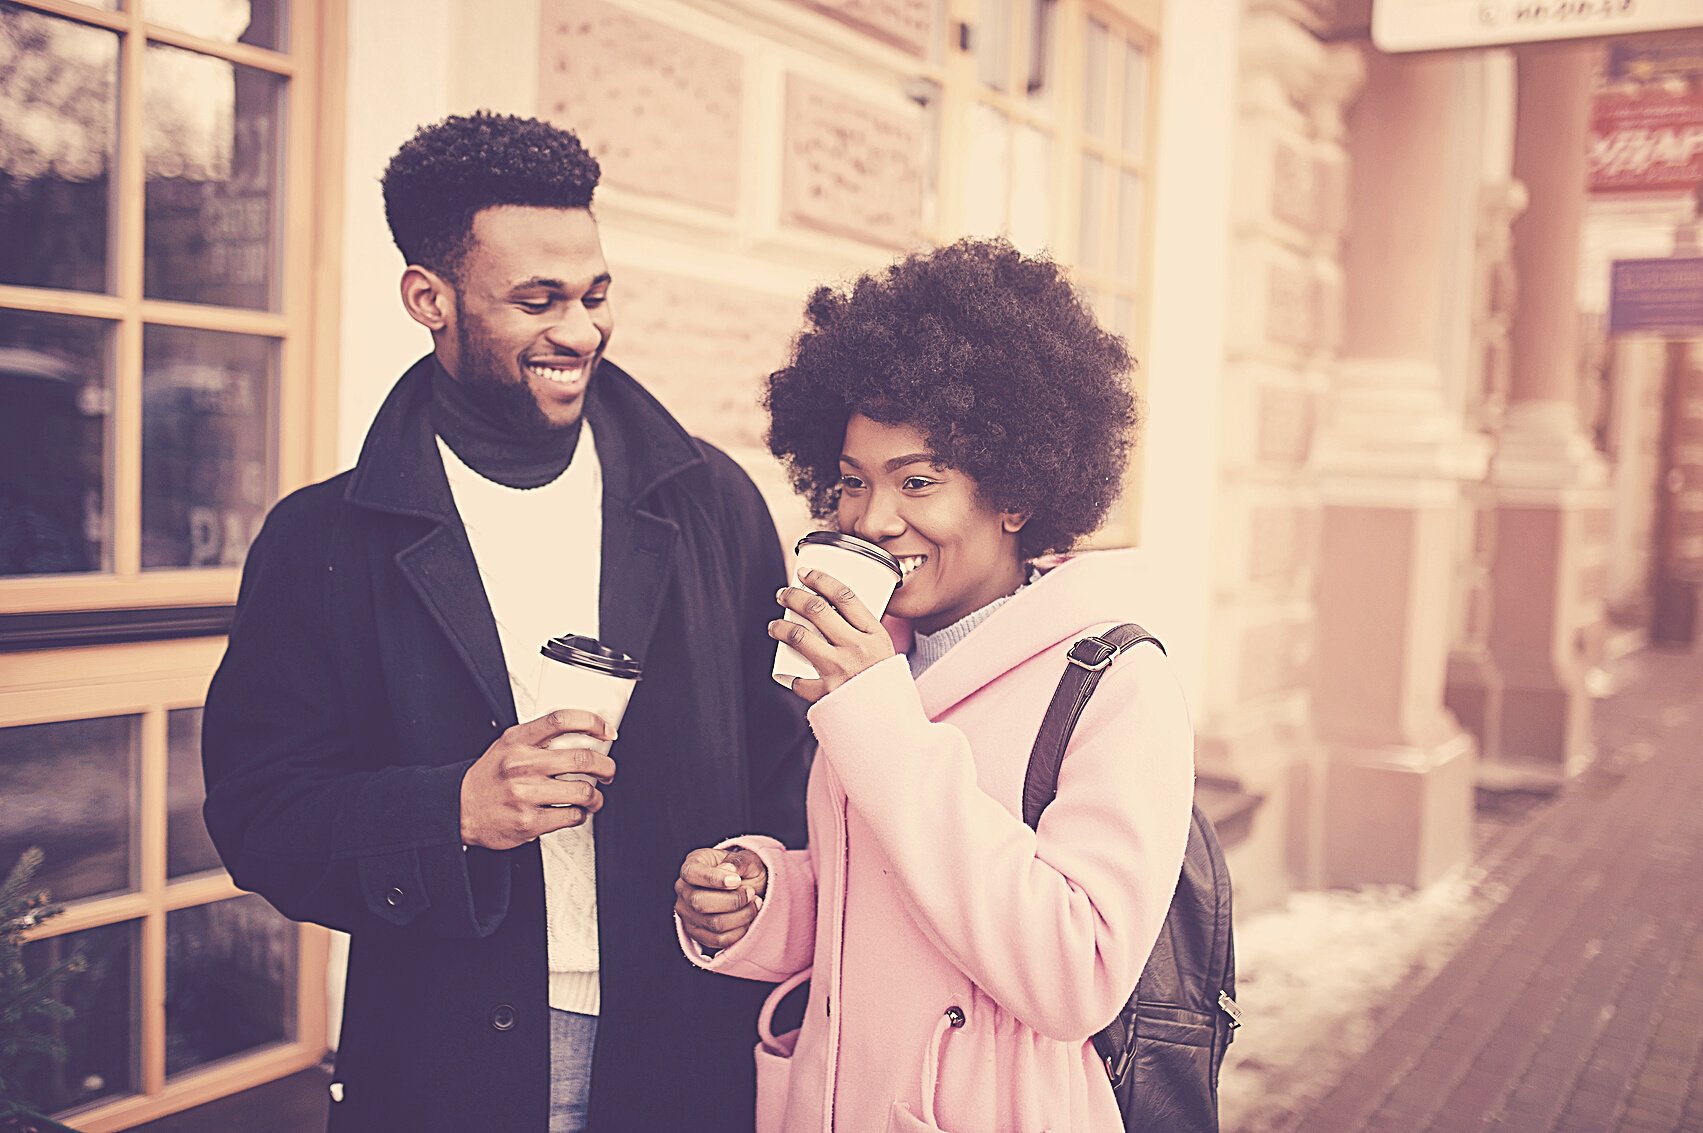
494,448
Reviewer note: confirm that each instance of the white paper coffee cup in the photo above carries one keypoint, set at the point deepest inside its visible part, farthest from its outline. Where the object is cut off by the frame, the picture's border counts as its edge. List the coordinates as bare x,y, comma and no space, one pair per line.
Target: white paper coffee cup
872,573
582,672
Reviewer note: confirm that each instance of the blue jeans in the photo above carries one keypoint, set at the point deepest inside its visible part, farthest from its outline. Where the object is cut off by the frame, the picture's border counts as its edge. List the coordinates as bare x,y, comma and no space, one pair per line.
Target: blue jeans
571,1039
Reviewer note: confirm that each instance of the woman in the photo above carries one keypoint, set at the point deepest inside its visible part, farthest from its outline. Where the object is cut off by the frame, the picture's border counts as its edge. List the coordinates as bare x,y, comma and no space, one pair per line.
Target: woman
963,411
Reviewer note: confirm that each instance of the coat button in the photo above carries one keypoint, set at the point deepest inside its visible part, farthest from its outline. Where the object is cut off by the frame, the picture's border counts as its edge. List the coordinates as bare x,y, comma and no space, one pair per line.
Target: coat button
955,1015
336,1091
394,897
502,1017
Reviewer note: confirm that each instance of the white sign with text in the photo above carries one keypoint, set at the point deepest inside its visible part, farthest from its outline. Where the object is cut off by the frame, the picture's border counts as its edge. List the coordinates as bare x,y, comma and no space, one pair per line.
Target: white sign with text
1432,25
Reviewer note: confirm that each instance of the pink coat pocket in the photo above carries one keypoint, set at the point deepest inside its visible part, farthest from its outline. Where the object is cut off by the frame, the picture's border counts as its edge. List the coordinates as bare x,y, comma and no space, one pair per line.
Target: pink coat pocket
774,1060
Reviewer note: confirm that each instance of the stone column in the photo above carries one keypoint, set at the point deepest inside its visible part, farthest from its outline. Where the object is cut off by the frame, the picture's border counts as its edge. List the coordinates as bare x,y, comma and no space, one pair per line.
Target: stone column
1548,479
1391,461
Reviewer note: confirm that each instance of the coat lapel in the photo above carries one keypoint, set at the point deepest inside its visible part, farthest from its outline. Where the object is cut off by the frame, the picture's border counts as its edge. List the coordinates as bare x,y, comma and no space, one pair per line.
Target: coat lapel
643,450
443,572
401,472
638,558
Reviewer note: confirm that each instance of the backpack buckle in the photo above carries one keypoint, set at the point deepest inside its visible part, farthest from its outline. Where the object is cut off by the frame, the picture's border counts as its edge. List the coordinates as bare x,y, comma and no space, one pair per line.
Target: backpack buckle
1117,1068
1092,653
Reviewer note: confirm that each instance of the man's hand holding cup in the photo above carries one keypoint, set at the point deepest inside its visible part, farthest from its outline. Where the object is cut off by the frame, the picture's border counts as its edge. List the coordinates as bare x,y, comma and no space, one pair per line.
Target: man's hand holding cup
515,791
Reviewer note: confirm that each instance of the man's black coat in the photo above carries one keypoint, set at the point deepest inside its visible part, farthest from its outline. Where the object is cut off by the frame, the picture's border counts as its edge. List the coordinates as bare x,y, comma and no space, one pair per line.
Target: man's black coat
362,678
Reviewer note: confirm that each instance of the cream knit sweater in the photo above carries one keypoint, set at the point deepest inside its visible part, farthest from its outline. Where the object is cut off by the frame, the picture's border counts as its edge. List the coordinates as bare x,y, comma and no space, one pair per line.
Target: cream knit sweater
527,542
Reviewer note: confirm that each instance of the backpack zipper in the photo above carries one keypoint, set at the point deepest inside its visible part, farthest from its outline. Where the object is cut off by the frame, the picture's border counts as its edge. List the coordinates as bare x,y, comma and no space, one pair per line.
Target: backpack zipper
1228,1006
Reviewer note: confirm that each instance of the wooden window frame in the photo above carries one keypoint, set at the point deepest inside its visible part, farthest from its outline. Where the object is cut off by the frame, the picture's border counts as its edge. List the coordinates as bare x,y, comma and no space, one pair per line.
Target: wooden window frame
308,214
151,680
1064,122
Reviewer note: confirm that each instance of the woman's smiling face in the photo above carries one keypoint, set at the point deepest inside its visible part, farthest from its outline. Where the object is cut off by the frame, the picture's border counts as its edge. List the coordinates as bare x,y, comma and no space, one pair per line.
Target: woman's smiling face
958,553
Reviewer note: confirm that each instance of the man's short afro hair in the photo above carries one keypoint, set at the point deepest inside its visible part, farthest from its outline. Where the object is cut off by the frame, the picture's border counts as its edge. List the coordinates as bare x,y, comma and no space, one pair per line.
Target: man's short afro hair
993,357
447,172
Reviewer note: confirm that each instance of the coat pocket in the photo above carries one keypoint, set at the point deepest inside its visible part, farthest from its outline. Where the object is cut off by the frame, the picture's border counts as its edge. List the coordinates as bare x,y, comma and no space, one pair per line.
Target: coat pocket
774,1059
774,1075
902,1119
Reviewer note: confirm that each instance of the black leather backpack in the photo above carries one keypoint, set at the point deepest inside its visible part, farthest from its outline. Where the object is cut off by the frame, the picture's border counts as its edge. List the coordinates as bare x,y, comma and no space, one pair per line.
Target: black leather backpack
1164,1049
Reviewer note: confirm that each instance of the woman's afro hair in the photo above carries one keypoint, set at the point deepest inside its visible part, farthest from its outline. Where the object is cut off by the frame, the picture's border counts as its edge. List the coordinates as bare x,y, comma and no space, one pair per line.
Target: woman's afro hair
993,357
447,172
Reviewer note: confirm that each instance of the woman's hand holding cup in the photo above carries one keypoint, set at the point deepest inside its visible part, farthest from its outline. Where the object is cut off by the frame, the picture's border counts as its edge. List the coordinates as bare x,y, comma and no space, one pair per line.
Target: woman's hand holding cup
718,895
842,637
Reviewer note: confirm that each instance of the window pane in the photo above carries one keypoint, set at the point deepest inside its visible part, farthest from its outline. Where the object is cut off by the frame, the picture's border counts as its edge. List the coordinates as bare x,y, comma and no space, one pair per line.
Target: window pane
1095,79
56,387
257,22
208,444
58,136
1031,192
70,788
100,1037
986,188
188,848
1129,224
1135,100
1039,48
992,43
1091,252
230,981
212,133
1123,315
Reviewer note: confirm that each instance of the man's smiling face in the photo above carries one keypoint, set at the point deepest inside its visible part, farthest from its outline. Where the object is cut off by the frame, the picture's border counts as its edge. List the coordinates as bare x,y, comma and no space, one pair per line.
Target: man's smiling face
532,317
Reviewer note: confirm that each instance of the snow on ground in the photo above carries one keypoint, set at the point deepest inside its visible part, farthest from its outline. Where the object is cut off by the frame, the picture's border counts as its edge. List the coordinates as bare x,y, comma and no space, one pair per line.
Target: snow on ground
1320,977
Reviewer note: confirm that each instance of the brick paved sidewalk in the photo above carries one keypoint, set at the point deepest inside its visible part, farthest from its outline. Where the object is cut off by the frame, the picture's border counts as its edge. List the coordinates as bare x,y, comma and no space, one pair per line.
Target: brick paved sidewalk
1577,1004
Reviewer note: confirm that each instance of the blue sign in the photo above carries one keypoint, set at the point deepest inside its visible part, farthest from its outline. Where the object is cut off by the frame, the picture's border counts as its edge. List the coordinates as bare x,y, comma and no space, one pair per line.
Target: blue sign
1657,296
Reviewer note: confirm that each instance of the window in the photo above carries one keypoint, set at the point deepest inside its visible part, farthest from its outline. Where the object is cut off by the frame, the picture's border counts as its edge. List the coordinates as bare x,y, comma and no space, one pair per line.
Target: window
161,172
154,319
193,989
1055,151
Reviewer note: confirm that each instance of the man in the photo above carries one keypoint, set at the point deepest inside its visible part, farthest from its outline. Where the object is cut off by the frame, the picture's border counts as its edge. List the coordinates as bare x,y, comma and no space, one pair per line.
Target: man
375,750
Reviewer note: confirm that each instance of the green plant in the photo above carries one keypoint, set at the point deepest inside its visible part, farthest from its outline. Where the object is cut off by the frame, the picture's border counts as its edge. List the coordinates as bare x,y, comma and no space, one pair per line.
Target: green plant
28,1008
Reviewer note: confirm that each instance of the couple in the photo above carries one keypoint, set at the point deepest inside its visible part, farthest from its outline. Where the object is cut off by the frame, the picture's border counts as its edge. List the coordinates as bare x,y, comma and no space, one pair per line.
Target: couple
375,752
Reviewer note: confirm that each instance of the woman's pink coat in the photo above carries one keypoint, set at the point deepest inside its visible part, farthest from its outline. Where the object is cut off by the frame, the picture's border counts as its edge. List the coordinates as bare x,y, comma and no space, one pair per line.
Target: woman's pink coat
923,890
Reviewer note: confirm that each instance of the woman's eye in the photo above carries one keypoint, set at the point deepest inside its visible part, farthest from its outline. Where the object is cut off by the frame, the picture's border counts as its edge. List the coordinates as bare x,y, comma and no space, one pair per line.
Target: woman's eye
850,483
917,483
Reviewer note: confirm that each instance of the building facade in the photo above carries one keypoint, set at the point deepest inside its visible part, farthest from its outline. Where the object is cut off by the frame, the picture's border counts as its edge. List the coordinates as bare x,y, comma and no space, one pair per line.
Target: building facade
1377,521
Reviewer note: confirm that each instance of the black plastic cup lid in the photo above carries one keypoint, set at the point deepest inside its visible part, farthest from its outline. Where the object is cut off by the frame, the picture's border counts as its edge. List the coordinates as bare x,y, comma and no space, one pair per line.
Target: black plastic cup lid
852,543
590,653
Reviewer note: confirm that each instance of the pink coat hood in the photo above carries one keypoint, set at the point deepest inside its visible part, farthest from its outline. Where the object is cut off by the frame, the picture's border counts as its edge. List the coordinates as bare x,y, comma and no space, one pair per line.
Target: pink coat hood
959,960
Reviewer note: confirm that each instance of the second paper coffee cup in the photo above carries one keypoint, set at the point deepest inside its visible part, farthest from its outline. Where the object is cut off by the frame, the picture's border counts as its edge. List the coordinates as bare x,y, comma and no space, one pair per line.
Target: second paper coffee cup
582,672
872,573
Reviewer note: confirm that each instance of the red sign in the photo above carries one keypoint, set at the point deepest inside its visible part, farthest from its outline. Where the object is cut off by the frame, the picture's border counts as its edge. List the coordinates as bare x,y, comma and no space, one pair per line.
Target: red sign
1645,142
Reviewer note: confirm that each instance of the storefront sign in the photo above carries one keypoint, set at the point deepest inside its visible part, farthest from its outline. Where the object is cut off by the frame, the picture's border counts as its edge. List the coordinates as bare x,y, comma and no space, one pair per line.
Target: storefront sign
1656,296
1430,25
1649,60
1646,141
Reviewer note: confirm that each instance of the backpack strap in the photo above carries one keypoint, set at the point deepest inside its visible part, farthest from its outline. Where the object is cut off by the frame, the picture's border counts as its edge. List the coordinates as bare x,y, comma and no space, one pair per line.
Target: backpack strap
1089,658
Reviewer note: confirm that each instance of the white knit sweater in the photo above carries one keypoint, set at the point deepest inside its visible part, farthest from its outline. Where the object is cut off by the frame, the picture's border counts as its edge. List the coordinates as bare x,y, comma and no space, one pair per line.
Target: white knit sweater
527,542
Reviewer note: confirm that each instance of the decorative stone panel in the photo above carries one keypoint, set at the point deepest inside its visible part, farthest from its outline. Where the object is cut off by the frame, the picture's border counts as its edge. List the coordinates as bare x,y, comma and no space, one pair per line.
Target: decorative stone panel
1273,659
660,108
702,347
1279,544
1294,187
851,168
1292,306
1285,426
903,23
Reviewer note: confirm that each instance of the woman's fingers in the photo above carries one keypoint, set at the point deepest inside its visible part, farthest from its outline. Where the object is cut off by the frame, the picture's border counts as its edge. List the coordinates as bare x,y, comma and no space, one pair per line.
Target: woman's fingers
844,599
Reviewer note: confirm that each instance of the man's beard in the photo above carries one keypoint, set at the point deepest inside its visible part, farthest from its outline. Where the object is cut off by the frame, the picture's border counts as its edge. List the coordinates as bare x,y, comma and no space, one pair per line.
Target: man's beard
486,379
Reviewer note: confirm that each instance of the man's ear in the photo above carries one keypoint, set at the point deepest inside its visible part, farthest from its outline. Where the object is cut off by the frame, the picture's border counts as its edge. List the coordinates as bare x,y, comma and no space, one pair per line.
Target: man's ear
428,297
1013,521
